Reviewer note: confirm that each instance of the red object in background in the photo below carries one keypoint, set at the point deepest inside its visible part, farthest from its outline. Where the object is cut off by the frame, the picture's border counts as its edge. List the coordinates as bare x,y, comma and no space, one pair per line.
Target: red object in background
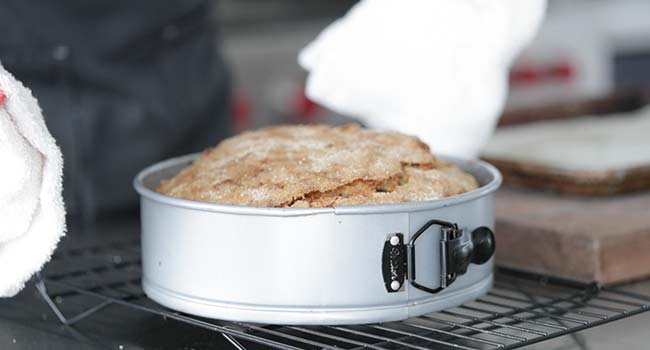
529,74
304,108
525,74
562,70
3,97
240,111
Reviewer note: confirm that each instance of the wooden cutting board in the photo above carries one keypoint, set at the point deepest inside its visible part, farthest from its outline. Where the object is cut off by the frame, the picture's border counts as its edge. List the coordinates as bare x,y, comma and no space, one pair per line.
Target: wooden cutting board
606,239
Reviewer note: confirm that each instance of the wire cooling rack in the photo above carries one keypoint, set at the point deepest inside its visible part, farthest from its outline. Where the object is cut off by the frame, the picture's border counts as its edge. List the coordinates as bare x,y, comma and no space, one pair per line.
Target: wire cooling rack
520,310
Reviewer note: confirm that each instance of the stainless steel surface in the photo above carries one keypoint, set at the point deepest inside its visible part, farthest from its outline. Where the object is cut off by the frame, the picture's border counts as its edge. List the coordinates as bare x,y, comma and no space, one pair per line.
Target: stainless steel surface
301,266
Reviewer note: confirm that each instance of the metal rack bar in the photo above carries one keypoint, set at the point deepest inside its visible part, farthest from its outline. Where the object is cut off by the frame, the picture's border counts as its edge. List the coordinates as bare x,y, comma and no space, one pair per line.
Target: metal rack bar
517,310
618,301
453,335
628,294
477,320
550,305
334,337
571,299
382,338
476,329
287,336
509,314
575,330
437,341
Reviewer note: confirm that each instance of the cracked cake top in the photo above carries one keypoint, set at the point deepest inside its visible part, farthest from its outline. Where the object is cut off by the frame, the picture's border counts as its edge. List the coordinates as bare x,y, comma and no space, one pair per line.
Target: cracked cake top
317,166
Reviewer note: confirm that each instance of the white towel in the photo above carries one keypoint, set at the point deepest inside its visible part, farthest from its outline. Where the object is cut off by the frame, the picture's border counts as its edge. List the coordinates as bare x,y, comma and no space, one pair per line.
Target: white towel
32,213
434,68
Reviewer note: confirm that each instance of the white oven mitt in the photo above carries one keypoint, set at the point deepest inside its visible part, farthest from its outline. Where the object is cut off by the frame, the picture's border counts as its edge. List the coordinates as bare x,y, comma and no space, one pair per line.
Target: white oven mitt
437,69
32,214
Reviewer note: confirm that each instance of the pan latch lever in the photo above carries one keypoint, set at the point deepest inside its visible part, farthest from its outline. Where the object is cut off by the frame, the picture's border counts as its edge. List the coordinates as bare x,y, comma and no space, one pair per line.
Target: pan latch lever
457,251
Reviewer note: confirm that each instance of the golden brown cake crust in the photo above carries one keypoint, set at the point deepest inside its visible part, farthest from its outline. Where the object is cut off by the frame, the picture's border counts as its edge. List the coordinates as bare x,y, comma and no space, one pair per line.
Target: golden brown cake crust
317,166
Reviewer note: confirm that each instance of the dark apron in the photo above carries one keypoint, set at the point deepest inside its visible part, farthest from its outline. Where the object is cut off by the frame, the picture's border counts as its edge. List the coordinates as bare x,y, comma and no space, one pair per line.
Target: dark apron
122,84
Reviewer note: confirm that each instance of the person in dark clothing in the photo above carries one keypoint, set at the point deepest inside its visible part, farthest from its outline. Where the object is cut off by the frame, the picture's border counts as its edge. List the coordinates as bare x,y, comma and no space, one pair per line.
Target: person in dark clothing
122,84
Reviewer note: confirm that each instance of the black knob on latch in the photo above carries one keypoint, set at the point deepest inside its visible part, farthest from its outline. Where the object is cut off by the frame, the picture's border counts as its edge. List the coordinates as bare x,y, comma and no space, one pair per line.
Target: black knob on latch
484,245
460,258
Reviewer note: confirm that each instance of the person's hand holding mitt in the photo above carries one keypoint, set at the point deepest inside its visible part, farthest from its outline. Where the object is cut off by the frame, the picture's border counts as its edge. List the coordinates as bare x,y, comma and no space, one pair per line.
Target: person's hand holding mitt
32,213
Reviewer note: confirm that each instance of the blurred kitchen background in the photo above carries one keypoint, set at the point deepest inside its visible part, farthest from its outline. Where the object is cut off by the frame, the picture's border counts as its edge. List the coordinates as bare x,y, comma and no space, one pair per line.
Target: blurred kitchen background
586,49
261,41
